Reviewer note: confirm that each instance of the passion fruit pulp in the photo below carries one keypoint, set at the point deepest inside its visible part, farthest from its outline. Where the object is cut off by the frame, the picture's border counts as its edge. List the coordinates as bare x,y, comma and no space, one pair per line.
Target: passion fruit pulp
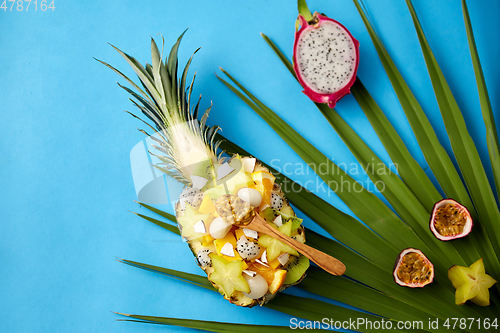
413,269
450,220
233,209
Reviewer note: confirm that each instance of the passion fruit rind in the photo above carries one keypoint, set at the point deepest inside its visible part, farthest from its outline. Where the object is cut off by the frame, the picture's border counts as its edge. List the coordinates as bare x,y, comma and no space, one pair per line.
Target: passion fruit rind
450,220
413,269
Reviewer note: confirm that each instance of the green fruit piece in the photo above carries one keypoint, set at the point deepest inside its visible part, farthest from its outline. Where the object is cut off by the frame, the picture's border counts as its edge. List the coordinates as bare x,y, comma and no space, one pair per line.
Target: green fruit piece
188,220
299,237
231,183
239,180
274,247
200,168
287,210
472,283
227,275
270,215
296,223
215,192
236,179
296,268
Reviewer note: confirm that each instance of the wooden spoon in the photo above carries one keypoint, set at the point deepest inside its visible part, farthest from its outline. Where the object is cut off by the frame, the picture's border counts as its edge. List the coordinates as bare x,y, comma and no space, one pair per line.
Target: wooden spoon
323,260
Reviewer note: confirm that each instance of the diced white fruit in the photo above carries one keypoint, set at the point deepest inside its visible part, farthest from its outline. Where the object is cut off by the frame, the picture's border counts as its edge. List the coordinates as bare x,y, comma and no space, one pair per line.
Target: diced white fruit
250,196
219,228
224,170
182,203
283,259
263,207
198,182
199,227
251,233
248,164
258,286
203,257
278,221
250,273
263,257
227,250
262,263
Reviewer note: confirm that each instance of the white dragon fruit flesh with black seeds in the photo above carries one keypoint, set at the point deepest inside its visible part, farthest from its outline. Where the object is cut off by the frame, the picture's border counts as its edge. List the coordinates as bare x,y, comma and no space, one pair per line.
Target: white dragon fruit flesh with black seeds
276,201
325,59
247,249
192,196
204,258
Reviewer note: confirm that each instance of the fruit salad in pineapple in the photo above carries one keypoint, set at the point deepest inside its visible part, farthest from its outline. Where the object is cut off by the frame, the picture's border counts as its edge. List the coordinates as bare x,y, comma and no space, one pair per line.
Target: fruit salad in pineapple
247,267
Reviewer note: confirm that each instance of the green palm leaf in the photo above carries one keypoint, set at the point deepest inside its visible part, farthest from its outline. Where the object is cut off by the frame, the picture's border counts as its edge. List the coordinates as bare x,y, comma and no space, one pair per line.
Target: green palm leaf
489,120
371,276
398,194
409,169
368,207
442,297
465,151
394,189
204,325
345,228
369,247
301,307
435,155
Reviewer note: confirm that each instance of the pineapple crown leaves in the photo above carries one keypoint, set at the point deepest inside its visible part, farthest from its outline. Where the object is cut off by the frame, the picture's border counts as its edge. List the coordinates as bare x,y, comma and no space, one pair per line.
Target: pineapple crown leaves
165,100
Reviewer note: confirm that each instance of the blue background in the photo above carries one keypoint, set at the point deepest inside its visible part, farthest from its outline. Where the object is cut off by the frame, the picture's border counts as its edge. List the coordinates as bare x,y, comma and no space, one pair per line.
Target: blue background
66,186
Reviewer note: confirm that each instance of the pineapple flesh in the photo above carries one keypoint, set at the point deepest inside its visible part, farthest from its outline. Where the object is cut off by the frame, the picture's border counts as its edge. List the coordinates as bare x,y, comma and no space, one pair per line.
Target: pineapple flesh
247,268
275,261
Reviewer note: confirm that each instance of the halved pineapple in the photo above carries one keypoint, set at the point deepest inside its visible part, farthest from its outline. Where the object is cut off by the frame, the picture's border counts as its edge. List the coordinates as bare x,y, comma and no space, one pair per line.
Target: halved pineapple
187,148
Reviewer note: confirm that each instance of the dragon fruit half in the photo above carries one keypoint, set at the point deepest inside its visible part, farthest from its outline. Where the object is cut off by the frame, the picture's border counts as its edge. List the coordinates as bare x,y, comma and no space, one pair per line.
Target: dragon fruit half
325,57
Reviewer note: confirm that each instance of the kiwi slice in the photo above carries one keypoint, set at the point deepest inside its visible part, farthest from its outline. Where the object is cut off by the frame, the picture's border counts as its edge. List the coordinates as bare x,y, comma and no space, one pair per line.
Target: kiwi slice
269,214
203,169
296,268
296,223
209,171
287,211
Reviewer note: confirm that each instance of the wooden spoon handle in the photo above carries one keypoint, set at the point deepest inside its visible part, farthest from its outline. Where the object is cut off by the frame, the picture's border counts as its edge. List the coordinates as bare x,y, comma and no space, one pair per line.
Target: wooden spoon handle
323,260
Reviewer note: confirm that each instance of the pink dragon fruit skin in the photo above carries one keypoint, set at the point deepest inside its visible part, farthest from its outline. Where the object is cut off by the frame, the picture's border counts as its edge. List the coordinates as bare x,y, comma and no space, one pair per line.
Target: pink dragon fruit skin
312,90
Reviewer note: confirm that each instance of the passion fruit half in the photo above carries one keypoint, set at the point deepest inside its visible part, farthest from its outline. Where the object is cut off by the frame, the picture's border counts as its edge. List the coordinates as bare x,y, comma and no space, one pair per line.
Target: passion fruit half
450,220
413,269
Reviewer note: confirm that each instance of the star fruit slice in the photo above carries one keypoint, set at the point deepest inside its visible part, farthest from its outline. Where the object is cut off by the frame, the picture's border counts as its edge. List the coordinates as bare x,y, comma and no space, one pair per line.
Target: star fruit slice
274,247
188,220
471,283
228,275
